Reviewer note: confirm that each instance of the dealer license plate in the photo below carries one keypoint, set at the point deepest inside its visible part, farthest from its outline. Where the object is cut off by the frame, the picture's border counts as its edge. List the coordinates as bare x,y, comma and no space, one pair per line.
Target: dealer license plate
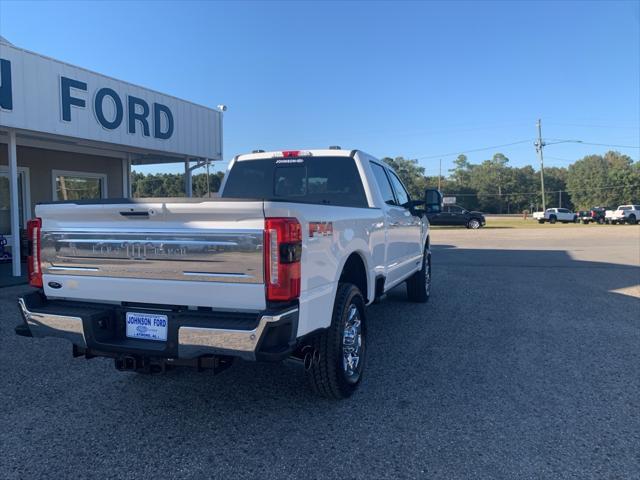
148,326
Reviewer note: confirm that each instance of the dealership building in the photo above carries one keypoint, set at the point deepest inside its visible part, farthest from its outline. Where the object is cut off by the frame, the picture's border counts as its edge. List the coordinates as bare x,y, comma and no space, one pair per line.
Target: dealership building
67,133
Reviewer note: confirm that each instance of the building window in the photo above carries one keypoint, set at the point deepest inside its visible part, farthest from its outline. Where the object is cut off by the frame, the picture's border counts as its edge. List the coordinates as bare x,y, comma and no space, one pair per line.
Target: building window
78,185
5,199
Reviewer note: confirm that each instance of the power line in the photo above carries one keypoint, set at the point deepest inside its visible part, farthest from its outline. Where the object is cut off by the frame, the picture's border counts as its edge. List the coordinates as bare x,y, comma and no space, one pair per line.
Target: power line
592,126
474,150
609,145
537,193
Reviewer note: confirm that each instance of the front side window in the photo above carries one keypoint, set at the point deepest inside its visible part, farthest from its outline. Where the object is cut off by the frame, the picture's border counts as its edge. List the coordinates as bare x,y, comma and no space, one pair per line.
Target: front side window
79,186
383,184
319,180
401,192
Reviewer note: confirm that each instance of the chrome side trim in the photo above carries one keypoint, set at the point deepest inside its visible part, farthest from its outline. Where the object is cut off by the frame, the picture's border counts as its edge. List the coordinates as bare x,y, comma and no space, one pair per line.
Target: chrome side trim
49,325
74,269
196,341
217,274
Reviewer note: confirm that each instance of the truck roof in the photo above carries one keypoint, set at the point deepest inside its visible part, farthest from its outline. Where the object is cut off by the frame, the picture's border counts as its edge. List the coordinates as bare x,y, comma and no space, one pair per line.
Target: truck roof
326,152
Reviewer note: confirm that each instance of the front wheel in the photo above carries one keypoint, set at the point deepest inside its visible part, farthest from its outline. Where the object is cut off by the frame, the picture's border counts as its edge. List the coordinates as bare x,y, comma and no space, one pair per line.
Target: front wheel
419,284
338,372
631,220
553,220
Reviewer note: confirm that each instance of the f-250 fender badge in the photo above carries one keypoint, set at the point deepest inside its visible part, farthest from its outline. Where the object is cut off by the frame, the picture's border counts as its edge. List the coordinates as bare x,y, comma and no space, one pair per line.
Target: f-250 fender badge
320,229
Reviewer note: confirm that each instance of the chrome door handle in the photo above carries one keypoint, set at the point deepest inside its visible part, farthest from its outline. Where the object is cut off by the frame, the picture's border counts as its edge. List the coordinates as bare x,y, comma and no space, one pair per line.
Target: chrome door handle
394,224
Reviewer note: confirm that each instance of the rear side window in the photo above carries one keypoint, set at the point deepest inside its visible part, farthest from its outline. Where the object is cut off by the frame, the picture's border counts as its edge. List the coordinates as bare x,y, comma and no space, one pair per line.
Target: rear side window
321,180
383,184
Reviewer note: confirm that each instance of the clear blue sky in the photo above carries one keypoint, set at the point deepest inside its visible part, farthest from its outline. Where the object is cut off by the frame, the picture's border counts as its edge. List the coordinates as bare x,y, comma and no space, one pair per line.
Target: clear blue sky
416,79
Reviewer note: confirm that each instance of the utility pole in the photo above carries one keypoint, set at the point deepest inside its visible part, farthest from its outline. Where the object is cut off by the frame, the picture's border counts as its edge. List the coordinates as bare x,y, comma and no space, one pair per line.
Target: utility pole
439,175
539,144
208,192
560,198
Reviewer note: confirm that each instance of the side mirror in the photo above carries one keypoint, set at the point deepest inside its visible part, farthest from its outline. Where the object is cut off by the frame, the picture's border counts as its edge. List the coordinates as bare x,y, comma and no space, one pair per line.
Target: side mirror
433,200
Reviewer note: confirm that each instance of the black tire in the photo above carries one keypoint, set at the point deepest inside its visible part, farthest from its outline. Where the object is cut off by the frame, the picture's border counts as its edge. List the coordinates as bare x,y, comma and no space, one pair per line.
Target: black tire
419,284
585,222
632,220
601,221
540,221
328,376
553,219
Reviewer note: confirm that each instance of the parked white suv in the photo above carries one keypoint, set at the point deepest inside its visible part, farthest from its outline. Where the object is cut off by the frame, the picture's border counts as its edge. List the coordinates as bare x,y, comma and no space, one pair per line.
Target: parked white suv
553,215
624,214
281,265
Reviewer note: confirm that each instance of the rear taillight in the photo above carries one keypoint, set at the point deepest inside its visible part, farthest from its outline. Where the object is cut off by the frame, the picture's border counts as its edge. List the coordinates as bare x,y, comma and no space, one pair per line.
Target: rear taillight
34,227
282,252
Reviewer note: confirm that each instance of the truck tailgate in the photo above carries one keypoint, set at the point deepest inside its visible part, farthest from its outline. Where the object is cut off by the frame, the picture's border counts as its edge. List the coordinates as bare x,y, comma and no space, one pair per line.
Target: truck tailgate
171,252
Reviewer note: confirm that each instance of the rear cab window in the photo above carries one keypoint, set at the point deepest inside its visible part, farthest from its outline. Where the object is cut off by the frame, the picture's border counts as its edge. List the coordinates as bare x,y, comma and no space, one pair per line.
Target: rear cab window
319,180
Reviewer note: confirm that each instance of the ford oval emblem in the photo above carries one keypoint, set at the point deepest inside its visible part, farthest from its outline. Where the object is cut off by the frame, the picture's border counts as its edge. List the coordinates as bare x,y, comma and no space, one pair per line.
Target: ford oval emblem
55,285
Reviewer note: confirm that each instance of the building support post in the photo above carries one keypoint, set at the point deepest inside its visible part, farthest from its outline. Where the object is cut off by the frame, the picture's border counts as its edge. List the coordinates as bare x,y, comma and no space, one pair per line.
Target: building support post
14,202
129,162
188,187
126,177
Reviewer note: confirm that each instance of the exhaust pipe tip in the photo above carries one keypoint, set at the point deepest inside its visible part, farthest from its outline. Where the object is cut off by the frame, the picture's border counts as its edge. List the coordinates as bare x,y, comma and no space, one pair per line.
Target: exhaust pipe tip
308,360
312,357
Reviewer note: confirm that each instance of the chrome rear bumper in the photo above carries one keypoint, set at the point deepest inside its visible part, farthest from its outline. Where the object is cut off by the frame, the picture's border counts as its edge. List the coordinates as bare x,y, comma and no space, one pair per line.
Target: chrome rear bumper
51,325
197,341
269,336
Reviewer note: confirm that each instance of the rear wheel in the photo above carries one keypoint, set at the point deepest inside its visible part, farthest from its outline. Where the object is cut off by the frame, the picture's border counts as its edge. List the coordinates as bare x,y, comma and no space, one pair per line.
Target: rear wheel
631,220
474,224
338,372
419,284
540,221
601,221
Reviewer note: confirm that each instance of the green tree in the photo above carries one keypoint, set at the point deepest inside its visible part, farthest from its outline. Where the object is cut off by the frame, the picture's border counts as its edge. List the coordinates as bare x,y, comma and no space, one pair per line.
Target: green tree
462,170
608,180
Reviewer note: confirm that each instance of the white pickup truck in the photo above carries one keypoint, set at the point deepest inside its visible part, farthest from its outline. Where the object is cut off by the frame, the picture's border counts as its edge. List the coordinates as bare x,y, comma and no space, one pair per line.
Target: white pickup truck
553,215
623,214
281,265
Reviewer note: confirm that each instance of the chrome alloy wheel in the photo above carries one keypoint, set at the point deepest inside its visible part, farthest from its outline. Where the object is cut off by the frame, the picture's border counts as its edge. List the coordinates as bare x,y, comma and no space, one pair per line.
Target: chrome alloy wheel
352,345
474,224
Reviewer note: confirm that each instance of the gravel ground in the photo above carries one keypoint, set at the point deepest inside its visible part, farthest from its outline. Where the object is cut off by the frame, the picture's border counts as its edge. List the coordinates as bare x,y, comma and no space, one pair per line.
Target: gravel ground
524,364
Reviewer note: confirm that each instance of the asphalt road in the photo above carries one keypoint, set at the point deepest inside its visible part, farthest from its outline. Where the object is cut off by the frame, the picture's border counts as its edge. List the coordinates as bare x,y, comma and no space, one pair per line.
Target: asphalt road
524,364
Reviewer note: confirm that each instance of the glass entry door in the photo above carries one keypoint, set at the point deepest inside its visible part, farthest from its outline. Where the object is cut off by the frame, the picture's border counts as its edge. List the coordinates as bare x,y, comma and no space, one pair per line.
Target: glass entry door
5,203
